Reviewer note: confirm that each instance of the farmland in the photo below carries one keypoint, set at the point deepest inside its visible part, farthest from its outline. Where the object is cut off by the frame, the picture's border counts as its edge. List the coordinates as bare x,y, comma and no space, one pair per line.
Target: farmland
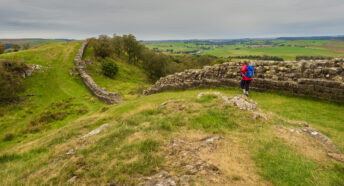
286,49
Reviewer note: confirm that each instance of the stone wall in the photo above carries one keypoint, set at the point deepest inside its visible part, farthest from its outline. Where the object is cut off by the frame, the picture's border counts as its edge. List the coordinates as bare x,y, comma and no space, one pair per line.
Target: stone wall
99,92
319,79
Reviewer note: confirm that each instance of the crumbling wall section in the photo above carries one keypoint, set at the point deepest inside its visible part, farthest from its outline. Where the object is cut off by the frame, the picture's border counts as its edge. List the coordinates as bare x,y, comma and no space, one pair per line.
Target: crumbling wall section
99,92
319,79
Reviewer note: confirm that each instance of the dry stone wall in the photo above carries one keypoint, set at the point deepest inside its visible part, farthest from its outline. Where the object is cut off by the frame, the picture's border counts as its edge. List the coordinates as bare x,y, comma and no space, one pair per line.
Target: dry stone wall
99,92
319,79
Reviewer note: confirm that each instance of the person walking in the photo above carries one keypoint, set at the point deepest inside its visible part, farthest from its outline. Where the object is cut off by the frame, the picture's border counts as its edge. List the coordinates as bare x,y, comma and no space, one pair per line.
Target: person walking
247,72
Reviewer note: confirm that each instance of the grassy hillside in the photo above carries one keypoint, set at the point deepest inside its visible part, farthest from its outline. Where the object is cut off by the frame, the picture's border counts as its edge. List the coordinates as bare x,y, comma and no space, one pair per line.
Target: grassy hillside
130,80
30,43
142,136
53,89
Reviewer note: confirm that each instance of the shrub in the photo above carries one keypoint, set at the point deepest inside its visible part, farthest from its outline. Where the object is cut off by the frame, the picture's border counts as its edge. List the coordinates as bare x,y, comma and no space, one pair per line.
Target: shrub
109,67
8,137
11,82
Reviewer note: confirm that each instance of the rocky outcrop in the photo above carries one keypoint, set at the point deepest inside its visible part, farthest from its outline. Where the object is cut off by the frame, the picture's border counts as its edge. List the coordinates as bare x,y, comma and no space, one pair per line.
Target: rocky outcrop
332,151
319,79
99,92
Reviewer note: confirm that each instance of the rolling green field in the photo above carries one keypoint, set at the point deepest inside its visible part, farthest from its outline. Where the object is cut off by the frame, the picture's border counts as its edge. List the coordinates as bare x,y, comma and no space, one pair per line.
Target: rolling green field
30,43
288,50
50,123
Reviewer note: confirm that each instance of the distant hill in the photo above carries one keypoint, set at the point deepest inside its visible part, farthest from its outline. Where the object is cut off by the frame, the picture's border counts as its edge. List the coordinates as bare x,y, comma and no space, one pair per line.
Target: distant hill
29,42
313,38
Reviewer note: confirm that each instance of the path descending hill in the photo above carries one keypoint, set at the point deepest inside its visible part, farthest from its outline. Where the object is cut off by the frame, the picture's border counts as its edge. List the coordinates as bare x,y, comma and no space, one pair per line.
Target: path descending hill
63,135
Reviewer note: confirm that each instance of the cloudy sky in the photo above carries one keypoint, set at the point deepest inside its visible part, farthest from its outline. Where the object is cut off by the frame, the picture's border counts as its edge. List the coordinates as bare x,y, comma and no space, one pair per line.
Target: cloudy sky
170,19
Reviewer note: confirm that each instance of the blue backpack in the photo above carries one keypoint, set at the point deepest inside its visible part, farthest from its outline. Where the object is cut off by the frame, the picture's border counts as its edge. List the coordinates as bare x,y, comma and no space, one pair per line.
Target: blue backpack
250,71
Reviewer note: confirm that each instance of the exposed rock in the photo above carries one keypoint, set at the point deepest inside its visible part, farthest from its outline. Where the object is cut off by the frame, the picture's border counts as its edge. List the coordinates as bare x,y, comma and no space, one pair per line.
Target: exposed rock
72,179
243,103
301,123
72,151
184,164
332,150
99,92
212,139
82,139
95,131
321,138
336,156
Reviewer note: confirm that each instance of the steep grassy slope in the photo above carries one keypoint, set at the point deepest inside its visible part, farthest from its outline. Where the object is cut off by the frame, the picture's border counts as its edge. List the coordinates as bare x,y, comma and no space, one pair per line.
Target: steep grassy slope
141,135
58,96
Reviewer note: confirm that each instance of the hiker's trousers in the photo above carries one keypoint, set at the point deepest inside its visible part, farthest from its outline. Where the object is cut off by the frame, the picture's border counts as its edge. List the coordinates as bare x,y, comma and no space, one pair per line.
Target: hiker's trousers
245,84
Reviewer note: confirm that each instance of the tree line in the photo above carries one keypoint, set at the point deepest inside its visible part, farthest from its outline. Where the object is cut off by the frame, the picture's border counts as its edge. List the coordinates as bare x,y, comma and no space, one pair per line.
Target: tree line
155,64
264,57
13,47
298,58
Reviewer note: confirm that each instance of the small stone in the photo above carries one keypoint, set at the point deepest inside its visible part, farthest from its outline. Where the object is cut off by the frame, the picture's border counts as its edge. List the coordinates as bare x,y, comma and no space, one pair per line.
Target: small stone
212,139
314,133
72,179
95,131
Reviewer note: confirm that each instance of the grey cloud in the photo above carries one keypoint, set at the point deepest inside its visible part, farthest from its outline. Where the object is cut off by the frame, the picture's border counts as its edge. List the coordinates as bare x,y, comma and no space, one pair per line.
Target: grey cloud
166,19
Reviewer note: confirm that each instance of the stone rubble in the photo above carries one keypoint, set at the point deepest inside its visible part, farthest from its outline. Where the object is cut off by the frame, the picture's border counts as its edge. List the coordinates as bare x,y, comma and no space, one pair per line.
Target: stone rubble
183,156
95,131
332,151
82,141
243,103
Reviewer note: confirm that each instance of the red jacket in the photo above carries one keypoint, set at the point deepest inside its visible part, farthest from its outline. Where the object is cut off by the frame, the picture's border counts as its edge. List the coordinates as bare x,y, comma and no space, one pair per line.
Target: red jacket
243,72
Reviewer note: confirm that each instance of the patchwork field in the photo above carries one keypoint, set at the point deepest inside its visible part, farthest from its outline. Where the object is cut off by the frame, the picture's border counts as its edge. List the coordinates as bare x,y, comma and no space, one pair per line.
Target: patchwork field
286,49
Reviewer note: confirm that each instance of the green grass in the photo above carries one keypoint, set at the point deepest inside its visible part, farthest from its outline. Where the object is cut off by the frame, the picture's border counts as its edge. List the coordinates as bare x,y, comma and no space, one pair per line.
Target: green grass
283,165
288,53
42,129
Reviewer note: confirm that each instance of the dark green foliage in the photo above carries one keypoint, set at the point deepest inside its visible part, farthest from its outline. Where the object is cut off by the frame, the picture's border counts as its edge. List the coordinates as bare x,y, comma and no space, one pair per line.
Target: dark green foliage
11,82
2,48
155,64
298,58
102,46
15,47
117,45
109,67
132,48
